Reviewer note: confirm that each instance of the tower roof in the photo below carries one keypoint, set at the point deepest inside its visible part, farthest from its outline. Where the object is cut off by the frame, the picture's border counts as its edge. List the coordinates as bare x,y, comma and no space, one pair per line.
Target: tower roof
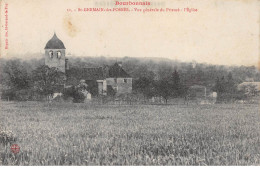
54,43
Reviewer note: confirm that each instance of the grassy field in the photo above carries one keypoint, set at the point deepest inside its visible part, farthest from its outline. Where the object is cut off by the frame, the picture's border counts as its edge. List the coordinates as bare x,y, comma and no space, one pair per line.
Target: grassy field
80,134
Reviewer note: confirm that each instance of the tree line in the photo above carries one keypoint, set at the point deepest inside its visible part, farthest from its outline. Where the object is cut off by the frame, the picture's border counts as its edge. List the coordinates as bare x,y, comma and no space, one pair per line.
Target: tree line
27,79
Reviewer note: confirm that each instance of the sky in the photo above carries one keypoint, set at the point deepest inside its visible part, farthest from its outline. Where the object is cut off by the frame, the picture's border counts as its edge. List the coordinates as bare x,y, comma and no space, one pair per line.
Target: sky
222,32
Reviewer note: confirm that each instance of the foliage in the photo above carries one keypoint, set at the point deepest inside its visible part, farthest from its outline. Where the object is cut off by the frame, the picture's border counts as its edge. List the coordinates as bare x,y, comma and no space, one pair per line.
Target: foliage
164,89
23,95
16,75
147,75
6,137
78,97
20,95
171,87
176,84
92,88
145,86
110,91
8,94
75,93
48,80
227,89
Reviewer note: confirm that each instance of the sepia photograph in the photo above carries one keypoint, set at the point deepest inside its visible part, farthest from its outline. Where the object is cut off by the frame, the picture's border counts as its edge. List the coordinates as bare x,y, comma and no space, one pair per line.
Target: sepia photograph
129,83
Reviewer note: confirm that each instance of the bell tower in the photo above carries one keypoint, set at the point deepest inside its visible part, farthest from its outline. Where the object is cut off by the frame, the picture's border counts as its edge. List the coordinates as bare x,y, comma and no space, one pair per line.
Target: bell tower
55,53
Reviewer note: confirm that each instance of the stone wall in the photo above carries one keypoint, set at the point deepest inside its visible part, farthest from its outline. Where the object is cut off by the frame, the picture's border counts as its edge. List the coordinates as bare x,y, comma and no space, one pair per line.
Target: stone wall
54,61
120,85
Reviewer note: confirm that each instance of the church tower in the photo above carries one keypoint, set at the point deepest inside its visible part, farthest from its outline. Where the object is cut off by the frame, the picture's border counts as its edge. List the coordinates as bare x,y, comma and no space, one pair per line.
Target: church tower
55,54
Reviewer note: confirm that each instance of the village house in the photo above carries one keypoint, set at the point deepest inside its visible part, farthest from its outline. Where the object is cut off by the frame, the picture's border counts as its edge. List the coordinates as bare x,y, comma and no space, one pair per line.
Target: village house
101,80
250,88
118,79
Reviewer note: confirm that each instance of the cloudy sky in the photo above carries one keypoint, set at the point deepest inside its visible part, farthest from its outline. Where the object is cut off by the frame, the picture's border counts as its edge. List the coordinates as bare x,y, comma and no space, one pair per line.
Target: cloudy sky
221,32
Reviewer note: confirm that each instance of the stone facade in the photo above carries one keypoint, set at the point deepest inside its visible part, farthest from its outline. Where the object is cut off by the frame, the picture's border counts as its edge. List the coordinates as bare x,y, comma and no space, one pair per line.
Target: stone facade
120,85
55,58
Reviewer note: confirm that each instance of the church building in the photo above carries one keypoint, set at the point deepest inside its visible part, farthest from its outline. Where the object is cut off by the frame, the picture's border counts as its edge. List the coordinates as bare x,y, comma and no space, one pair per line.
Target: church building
100,79
55,54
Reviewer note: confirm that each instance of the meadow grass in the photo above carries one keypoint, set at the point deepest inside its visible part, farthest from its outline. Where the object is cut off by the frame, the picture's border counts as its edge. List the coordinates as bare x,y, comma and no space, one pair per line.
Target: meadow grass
85,134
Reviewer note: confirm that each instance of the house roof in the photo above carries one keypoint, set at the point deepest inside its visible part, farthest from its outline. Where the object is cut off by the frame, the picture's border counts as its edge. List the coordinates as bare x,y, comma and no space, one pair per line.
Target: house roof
197,87
256,84
74,75
54,43
85,73
250,83
117,71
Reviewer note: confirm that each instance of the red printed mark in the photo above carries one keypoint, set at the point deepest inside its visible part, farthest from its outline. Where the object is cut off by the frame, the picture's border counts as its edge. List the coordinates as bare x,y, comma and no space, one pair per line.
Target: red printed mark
15,148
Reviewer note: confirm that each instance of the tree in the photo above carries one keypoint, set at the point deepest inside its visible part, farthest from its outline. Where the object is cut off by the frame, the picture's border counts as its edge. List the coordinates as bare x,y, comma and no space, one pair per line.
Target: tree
143,72
15,81
16,75
171,87
218,86
226,89
164,89
48,80
164,71
144,86
230,84
175,84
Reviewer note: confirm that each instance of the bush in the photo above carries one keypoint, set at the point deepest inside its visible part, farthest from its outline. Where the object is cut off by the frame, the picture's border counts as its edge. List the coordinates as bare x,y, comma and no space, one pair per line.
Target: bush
78,96
110,91
68,93
23,95
8,95
18,95
6,137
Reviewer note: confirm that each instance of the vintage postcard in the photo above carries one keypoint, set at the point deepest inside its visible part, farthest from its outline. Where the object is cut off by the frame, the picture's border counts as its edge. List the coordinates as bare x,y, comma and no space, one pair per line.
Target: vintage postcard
129,83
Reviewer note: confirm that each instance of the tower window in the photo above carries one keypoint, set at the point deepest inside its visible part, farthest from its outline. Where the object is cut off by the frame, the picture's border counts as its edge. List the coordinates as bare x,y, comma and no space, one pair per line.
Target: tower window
115,80
51,54
125,80
58,54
